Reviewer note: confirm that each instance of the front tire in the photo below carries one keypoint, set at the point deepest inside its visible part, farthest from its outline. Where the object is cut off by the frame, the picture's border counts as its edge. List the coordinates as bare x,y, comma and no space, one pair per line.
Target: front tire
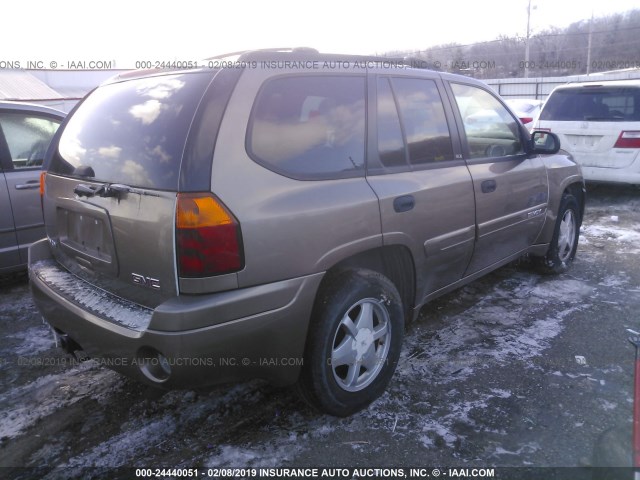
354,342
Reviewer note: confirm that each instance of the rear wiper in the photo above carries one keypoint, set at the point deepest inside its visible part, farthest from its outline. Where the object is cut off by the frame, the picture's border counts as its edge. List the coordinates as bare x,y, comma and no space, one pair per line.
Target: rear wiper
116,190
83,190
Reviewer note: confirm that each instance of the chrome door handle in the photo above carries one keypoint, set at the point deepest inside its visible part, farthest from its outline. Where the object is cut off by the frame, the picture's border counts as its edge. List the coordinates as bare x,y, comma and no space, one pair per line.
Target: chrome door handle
28,186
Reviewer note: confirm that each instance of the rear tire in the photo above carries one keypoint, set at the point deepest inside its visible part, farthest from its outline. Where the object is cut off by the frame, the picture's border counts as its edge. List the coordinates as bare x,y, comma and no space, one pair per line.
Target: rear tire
354,342
564,243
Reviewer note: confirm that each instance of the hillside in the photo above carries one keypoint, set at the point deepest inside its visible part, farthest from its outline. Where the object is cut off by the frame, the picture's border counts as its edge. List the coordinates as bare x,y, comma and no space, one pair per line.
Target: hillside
615,44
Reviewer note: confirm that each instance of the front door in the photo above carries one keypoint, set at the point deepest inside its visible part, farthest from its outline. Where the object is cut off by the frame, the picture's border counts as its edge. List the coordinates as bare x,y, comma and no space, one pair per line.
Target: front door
511,187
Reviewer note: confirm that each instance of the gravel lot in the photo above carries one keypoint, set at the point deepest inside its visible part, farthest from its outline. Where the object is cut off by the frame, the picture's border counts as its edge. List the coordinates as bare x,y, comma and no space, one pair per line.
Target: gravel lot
515,370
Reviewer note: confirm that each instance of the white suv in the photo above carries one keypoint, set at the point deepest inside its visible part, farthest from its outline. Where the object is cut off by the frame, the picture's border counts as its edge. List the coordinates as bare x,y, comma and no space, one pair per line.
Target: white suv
599,124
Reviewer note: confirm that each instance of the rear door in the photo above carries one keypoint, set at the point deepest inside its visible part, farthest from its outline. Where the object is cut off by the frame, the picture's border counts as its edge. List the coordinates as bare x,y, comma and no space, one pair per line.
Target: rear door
112,182
27,136
511,187
416,170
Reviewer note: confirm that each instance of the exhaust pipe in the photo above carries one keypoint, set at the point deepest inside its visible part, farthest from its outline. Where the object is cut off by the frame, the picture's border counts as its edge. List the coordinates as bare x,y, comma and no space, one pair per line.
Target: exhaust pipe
70,346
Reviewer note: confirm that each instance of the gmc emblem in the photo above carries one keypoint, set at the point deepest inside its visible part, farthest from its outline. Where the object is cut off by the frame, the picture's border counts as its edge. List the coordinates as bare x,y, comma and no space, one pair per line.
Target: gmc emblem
143,281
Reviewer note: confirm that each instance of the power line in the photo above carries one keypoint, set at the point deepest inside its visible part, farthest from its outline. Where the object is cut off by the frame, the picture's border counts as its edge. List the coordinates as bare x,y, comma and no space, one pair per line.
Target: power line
521,39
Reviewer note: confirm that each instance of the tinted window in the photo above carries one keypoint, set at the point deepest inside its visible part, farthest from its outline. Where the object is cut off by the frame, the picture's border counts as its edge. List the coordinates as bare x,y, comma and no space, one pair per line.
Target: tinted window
423,119
310,126
490,129
390,140
597,103
27,137
133,132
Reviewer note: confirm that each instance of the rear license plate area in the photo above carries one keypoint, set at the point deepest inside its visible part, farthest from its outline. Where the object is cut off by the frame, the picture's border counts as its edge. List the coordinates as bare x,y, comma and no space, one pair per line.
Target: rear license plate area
84,234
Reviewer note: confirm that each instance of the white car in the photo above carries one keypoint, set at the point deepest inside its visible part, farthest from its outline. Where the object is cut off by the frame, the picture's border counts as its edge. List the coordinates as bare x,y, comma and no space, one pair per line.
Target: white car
599,124
526,109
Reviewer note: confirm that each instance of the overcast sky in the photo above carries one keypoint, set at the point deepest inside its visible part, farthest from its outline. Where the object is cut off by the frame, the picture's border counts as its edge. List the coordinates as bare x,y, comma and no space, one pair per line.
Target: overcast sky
130,30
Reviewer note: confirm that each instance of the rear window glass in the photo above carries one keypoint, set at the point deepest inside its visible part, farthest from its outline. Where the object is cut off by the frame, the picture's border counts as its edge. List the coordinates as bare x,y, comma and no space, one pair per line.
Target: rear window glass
132,132
310,127
614,104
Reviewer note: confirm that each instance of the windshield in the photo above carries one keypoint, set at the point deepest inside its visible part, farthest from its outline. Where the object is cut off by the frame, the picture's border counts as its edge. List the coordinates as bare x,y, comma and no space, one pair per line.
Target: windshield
132,132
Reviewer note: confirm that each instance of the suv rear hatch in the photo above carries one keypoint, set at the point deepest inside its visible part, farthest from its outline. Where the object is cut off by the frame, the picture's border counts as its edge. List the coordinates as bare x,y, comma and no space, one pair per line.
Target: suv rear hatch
599,125
111,186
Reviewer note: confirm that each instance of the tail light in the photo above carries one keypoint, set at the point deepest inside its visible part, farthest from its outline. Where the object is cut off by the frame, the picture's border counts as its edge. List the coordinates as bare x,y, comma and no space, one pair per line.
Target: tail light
628,139
526,120
43,176
208,237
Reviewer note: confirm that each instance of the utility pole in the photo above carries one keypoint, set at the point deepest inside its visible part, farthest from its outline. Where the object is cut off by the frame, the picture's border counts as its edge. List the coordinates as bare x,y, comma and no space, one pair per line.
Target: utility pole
526,45
589,44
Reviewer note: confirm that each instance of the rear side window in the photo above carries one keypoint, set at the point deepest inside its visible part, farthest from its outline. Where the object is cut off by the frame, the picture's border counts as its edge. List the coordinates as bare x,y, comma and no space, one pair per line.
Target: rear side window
593,103
412,126
27,136
132,132
423,119
310,127
490,129
391,147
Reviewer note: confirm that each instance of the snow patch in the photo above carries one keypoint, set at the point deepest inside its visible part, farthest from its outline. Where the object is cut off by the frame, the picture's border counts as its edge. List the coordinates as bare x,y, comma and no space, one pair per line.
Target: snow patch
22,407
607,405
528,448
275,454
615,281
34,340
563,290
124,449
613,233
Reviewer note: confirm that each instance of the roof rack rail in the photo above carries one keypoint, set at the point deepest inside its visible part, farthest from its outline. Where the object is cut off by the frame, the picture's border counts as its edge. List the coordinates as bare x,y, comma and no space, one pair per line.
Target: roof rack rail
243,52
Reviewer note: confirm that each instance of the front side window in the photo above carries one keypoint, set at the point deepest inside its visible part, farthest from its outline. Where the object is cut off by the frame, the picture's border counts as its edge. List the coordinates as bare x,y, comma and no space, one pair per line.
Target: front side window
310,127
490,129
27,137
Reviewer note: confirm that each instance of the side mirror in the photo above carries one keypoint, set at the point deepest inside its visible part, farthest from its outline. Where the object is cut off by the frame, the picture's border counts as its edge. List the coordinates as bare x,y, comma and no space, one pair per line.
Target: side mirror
546,143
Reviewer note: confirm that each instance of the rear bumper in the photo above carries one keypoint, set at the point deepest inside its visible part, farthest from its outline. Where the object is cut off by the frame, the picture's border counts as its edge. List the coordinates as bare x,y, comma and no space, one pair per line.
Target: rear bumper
630,175
239,342
621,166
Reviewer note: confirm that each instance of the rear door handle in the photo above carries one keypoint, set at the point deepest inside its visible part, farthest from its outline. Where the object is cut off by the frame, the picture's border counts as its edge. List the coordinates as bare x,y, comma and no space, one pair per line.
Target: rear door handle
488,186
404,203
30,185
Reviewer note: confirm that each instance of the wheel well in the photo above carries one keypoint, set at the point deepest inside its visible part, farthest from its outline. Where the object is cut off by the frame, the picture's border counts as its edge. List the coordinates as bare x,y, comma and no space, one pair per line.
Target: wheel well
577,190
394,262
